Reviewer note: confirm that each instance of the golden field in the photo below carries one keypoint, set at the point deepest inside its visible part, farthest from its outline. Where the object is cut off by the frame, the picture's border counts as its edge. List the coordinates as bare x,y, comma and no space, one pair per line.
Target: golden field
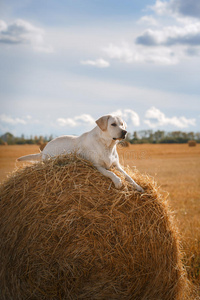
175,167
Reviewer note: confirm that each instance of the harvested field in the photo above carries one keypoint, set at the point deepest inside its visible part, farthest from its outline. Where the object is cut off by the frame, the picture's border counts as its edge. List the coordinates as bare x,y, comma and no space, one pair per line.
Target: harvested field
9,154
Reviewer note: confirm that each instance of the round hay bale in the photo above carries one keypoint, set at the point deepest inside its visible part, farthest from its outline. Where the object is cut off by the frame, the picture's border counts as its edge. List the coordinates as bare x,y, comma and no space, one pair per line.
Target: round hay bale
192,143
67,233
123,143
2,143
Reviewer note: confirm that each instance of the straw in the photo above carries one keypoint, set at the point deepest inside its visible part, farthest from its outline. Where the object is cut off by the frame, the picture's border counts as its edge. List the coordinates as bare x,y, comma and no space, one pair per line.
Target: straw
67,233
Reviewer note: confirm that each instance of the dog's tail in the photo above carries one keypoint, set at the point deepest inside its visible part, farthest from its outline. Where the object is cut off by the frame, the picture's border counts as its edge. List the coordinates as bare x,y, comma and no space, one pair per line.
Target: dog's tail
31,157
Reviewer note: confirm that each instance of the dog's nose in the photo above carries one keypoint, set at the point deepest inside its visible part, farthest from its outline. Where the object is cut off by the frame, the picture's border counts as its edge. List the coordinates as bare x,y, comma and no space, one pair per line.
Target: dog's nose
124,132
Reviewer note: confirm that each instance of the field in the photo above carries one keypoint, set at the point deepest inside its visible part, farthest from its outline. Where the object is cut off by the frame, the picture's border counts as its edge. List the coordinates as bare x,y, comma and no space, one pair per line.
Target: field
175,167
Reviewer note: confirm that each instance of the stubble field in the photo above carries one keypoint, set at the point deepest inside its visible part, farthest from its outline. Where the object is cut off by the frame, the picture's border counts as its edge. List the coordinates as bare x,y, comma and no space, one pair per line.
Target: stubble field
175,167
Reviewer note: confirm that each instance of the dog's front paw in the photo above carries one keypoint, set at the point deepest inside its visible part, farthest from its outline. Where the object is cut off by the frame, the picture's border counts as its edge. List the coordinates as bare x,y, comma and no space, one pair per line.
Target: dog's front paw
139,188
118,183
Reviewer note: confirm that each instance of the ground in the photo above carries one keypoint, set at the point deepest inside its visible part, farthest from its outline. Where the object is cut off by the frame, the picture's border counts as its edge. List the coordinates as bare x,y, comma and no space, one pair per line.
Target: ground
176,168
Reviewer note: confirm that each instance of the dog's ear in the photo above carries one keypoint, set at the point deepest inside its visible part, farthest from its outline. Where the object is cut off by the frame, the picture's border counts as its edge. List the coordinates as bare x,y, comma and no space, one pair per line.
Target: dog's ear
103,122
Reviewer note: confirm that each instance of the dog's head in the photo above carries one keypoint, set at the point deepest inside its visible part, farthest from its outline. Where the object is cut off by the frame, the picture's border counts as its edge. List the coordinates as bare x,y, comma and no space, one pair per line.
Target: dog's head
113,127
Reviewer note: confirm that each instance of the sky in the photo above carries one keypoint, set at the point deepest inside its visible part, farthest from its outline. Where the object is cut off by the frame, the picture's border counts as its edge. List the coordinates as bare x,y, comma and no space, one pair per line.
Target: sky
63,64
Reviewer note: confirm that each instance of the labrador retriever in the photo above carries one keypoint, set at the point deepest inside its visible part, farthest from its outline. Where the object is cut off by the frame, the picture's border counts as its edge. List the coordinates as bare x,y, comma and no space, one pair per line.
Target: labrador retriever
97,146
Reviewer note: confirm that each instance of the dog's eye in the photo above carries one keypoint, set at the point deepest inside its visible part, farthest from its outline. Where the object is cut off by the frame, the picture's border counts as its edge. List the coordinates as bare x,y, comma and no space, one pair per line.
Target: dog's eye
114,124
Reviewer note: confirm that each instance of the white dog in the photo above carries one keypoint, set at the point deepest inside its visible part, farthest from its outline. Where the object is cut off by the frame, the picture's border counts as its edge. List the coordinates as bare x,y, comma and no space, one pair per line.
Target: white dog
97,146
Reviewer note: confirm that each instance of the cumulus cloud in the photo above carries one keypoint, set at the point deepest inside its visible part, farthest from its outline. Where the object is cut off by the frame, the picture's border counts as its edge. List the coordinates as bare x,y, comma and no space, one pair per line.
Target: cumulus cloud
126,53
12,121
173,35
122,52
148,20
23,32
178,41
99,63
158,44
83,119
128,115
3,26
187,8
164,7
156,118
66,122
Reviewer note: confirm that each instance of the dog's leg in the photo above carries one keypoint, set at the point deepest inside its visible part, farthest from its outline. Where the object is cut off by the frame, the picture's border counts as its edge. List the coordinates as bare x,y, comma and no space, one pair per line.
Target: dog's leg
116,180
31,157
128,178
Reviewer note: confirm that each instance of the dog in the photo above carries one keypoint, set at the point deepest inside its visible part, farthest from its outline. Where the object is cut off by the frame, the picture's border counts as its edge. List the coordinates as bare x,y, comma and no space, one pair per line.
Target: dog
97,146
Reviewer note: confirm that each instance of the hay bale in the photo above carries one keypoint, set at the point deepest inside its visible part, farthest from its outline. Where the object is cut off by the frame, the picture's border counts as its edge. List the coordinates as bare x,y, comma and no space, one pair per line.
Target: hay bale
123,143
192,143
67,233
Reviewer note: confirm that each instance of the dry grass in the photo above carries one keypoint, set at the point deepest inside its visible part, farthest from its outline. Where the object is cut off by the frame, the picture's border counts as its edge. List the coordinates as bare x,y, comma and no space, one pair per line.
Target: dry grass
9,154
176,168
67,233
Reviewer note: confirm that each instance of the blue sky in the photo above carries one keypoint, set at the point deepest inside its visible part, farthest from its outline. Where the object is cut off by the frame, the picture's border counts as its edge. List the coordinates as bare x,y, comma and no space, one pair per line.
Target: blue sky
65,63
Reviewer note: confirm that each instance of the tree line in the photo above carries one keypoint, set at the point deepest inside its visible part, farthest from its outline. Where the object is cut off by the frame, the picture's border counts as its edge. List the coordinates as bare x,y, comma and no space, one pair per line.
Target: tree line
162,137
10,139
137,137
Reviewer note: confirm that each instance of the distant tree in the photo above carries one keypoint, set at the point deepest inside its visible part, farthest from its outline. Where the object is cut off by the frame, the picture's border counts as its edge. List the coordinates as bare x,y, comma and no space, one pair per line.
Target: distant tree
128,136
135,135
197,137
2,142
135,138
158,135
191,135
151,136
36,139
8,138
50,137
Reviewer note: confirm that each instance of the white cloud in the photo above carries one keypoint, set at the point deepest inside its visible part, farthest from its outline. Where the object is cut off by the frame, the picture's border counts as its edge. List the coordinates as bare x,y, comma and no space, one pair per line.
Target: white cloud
148,20
12,121
185,8
23,32
3,26
162,8
9,122
83,119
129,116
66,122
156,118
28,117
172,42
126,53
99,63
172,35
122,53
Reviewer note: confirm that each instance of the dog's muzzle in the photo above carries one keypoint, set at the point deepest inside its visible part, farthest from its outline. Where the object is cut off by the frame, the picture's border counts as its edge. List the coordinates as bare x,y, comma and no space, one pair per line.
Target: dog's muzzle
124,132
123,135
